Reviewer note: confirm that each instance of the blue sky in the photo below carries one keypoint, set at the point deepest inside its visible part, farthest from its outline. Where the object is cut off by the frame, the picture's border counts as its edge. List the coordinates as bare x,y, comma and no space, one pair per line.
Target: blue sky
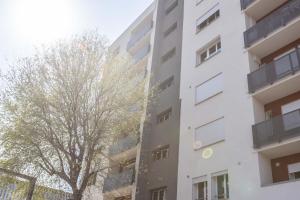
28,23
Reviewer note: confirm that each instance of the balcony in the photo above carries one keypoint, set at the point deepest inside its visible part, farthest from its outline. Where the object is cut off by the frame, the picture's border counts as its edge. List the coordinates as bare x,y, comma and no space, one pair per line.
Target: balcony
246,3
140,55
136,37
274,31
117,181
276,130
257,9
270,73
123,145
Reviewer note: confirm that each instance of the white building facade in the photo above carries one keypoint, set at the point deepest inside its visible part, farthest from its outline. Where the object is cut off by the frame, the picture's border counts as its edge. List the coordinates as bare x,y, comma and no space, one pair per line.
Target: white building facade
240,100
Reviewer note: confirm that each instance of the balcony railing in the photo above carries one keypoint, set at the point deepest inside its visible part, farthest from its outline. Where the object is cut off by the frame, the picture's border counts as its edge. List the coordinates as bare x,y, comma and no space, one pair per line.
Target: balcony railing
277,129
139,35
123,144
116,181
246,3
272,22
274,71
141,54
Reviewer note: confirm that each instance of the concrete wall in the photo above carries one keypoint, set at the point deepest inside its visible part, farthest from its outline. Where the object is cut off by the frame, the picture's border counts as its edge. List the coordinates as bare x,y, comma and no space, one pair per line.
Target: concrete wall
162,173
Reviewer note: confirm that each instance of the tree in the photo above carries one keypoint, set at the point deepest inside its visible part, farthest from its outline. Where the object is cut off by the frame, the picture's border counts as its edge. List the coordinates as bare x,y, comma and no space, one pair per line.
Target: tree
62,107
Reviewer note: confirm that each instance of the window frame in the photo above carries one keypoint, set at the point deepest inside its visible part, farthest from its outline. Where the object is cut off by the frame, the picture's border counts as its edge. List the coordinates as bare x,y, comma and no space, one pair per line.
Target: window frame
164,116
208,21
215,186
212,95
217,44
158,191
196,190
166,84
198,146
161,151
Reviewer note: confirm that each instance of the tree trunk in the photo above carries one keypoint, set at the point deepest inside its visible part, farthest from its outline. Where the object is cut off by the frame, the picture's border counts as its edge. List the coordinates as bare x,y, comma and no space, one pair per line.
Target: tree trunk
77,195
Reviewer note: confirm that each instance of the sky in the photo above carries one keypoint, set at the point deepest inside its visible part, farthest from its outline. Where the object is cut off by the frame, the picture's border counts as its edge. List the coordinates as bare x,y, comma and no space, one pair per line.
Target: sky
26,24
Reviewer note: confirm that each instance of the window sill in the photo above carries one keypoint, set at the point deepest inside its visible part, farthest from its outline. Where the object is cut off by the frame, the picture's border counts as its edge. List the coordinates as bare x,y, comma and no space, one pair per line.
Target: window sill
199,148
280,183
215,54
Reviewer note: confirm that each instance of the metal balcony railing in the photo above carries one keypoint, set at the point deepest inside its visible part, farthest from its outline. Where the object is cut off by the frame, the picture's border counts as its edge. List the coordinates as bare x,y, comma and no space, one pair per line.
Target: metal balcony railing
141,54
116,181
274,71
272,22
246,3
139,35
277,129
123,144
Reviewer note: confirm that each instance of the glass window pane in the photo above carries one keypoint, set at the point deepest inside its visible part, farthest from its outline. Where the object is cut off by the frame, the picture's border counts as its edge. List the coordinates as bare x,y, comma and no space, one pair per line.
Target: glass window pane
161,195
220,186
219,45
202,191
203,56
297,175
212,50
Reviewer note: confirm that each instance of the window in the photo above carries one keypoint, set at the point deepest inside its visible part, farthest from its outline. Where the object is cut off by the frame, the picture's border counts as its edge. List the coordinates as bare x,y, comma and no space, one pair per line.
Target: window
200,188
129,164
294,171
158,194
220,187
209,88
168,55
268,114
208,21
171,7
208,52
198,2
161,153
167,83
164,116
291,116
170,29
210,133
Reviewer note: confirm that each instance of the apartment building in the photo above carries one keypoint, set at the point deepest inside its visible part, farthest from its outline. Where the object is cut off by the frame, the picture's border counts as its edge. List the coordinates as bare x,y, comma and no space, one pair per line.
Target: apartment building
145,166
226,122
134,44
240,100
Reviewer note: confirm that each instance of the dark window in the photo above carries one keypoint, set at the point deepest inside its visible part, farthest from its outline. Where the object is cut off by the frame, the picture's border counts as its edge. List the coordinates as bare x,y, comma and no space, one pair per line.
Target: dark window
168,55
207,52
202,190
161,153
172,7
170,29
208,21
297,175
158,194
222,187
164,116
167,83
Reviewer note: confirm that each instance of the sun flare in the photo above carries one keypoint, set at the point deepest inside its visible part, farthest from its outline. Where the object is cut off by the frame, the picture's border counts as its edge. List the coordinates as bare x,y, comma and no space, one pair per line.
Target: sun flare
43,20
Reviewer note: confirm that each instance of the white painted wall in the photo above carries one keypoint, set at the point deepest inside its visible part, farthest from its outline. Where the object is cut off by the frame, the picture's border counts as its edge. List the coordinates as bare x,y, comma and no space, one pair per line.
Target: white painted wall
240,110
